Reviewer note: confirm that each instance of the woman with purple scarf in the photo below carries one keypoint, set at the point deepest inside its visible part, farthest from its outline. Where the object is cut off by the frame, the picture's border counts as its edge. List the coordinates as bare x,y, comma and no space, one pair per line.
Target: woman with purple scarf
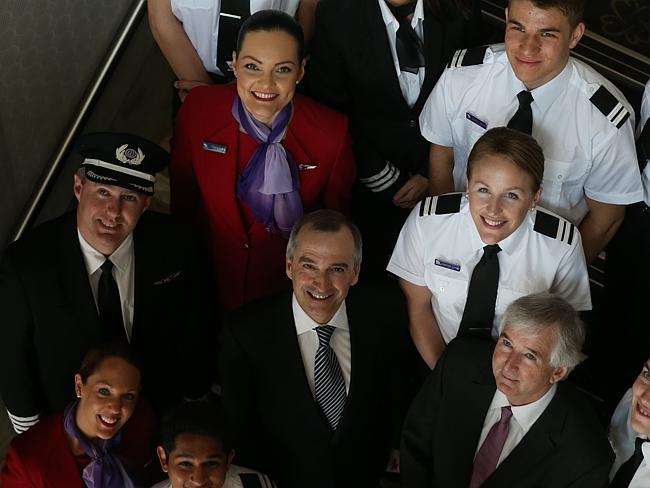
77,447
248,159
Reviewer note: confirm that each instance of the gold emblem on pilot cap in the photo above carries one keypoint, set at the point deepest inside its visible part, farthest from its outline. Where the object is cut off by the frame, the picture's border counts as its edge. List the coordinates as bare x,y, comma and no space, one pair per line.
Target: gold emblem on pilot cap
128,155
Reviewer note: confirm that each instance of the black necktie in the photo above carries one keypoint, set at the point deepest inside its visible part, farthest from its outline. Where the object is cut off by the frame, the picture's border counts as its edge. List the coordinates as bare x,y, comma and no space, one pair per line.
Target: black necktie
626,472
409,47
522,120
232,15
643,146
110,305
482,295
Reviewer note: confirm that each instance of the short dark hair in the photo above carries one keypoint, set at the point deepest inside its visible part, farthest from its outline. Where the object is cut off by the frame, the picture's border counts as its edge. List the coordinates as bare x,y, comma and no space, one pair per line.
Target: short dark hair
326,220
272,21
200,418
113,349
516,146
573,10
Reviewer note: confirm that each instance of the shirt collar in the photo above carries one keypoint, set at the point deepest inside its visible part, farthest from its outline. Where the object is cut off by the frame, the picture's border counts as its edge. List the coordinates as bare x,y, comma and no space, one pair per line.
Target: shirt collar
511,243
121,257
545,95
304,323
389,18
525,415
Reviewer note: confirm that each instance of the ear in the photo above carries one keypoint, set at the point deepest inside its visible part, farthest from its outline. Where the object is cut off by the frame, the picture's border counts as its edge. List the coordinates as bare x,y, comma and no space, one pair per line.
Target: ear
231,455
162,457
576,35
558,374
288,266
234,63
147,202
537,196
78,385
506,12
77,186
301,73
355,278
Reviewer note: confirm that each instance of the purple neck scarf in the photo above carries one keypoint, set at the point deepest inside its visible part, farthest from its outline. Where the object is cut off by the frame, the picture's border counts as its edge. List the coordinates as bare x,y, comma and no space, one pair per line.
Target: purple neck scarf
104,469
269,184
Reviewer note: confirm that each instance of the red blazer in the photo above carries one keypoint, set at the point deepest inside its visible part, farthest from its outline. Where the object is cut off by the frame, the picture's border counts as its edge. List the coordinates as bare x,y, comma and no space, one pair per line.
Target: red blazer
249,262
41,457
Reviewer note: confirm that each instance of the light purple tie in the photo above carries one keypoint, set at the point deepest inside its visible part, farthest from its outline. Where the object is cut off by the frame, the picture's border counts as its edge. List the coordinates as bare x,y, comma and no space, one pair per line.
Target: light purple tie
488,455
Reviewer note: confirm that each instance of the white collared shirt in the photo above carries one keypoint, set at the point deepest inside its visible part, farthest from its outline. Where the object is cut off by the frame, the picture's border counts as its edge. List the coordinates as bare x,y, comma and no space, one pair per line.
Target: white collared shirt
200,19
441,251
308,341
123,271
410,83
585,154
645,116
622,437
523,418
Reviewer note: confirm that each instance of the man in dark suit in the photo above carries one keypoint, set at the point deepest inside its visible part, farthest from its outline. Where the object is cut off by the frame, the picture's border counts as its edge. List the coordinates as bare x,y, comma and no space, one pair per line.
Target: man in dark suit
377,61
311,385
497,416
103,272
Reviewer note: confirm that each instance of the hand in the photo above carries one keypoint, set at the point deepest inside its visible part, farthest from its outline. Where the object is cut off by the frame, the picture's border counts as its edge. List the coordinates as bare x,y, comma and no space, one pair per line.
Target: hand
393,461
411,192
184,87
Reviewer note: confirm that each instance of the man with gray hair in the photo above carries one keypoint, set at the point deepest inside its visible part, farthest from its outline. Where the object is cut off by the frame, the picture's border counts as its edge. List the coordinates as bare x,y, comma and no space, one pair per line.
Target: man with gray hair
497,415
311,381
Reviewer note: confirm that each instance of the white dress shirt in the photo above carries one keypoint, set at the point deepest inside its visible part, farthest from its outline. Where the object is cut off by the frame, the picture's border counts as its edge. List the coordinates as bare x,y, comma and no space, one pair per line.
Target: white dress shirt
200,19
623,437
645,115
123,271
308,341
585,153
441,251
523,418
409,83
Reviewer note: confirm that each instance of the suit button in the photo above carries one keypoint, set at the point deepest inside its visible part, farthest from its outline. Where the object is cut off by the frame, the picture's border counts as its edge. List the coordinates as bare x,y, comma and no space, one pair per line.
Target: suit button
246,246
412,123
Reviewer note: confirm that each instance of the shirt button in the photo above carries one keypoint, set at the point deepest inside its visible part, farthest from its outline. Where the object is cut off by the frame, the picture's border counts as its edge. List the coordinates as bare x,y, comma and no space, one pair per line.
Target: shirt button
412,123
246,246
559,177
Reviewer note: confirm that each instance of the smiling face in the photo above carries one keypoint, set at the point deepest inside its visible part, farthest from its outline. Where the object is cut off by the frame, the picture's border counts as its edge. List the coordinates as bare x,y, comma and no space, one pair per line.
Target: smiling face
521,364
538,42
107,399
641,402
500,194
107,214
322,270
267,70
196,461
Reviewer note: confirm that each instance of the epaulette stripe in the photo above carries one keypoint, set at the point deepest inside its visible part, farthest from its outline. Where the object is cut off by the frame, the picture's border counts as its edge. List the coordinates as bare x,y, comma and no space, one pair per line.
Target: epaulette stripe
422,207
570,240
610,107
563,230
454,59
430,206
623,120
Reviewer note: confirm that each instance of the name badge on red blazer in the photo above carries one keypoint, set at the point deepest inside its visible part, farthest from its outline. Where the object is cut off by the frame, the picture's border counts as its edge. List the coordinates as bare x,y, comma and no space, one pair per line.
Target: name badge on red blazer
214,147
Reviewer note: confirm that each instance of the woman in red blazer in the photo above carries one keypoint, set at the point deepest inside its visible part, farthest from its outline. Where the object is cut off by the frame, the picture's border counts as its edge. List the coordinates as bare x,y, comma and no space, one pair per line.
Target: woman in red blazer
78,448
249,159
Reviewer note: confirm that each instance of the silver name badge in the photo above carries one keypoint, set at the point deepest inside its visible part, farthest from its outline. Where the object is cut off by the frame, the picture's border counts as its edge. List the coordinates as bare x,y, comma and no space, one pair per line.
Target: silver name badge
218,148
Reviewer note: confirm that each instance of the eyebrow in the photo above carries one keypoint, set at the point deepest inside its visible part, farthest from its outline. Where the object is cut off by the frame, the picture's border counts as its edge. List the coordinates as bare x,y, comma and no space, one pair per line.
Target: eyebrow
545,29
261,62
211,457
507,190
536,353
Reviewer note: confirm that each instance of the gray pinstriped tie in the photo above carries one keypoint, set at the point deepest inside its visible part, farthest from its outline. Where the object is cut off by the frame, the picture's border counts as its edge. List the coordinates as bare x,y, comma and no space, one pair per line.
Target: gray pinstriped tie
329,385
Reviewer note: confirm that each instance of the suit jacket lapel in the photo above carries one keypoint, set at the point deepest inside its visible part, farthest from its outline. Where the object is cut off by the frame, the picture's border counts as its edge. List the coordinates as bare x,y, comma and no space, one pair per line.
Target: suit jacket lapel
460,438
73,277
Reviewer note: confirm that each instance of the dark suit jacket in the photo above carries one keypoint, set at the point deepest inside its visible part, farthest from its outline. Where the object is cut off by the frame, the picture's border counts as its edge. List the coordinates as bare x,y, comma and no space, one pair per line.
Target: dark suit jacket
278,425
249,260
566,447
50,319
351,69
